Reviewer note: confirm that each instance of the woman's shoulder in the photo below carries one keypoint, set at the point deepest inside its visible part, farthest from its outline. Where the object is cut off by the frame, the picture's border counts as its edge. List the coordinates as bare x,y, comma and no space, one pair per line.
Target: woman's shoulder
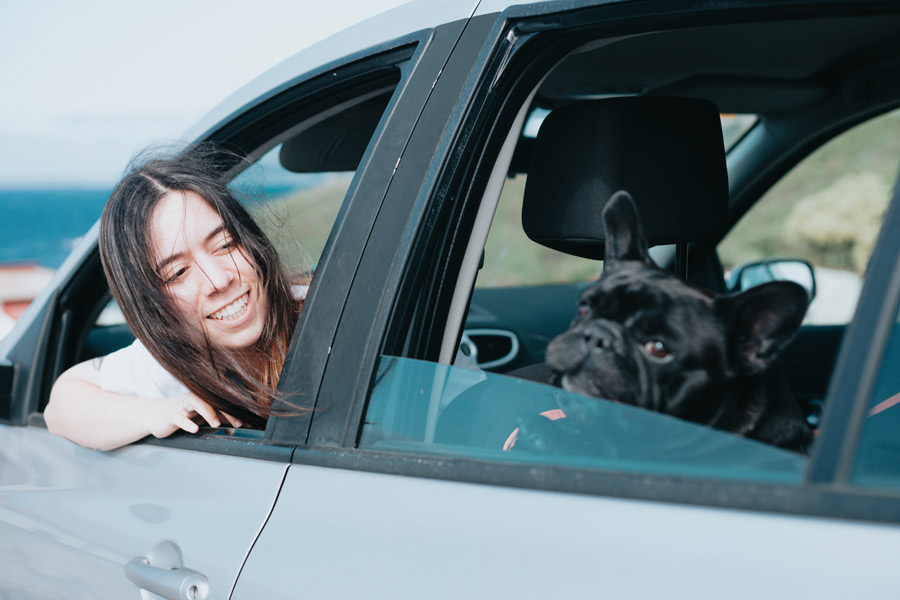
132,370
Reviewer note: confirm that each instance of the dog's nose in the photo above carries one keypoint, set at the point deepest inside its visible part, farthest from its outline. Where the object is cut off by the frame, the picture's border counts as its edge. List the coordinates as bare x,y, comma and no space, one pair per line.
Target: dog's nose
597,338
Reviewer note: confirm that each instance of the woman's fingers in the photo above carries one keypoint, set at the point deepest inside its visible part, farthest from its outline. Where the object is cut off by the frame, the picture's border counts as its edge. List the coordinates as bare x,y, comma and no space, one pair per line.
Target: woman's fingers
235,422
193,404
183,422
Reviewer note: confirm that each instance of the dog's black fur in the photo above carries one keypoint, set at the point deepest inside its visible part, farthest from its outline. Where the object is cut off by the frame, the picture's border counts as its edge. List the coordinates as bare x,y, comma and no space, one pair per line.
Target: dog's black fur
646,338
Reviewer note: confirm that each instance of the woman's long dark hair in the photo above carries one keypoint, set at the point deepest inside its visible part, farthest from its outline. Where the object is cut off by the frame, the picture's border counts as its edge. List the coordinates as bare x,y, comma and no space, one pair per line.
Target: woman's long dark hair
229,380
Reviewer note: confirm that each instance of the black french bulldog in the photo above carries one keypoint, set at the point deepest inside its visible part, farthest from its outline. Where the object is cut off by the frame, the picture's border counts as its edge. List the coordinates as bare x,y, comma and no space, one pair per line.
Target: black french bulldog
644,337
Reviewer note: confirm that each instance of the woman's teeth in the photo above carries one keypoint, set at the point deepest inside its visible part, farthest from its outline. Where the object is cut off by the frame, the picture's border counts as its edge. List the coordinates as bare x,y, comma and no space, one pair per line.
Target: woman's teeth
233,310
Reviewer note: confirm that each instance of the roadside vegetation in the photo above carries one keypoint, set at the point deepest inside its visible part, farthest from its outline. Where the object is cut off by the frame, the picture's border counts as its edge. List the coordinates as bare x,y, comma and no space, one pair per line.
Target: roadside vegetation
827,210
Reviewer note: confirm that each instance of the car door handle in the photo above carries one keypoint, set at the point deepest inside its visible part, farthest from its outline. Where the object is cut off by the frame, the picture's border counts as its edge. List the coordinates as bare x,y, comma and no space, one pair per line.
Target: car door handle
163,574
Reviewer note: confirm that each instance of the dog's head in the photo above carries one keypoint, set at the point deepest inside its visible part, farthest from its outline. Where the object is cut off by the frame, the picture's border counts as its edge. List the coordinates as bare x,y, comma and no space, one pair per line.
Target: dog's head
646,338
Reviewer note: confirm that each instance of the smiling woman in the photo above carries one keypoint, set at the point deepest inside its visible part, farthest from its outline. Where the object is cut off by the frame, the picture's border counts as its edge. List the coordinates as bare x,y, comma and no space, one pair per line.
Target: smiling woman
205,272
203,291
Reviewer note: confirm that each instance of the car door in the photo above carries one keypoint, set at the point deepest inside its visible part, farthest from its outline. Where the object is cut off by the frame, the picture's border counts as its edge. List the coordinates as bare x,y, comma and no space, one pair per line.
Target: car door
74,522
405,510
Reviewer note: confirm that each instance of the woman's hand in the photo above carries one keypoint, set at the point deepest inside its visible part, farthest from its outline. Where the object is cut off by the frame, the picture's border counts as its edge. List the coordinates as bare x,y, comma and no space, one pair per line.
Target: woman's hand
165,416
92,417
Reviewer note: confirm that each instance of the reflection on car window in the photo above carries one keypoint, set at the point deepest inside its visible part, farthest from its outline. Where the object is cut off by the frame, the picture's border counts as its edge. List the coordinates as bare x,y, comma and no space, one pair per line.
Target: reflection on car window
425,408
878,454
827,210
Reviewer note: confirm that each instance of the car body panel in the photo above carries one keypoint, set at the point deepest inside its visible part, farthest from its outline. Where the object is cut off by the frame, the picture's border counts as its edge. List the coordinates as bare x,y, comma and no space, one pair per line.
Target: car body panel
405,538
71,518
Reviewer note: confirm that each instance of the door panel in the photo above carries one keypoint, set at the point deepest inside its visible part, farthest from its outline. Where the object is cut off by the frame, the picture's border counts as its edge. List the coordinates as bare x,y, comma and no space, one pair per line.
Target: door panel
374,535
71,518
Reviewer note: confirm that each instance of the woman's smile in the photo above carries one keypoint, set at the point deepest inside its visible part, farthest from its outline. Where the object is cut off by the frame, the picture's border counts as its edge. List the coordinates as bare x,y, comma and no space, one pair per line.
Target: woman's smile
232,311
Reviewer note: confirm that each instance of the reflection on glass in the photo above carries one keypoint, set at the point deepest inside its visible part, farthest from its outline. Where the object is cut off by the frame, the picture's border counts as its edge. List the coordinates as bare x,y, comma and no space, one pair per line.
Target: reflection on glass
418,407
878,454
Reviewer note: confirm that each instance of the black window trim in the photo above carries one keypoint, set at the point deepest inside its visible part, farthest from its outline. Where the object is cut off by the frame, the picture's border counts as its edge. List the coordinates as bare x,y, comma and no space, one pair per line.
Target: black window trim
310,355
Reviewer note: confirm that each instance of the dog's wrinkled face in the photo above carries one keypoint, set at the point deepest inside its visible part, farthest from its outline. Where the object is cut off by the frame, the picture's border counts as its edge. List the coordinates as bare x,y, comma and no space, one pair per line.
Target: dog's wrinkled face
644,337
641,337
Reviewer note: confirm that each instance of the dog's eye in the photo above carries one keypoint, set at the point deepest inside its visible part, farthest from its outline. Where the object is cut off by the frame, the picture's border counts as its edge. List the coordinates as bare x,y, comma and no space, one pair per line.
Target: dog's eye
657,349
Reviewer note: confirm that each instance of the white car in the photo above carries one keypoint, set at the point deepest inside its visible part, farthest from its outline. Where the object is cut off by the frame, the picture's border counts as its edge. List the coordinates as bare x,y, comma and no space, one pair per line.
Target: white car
398,153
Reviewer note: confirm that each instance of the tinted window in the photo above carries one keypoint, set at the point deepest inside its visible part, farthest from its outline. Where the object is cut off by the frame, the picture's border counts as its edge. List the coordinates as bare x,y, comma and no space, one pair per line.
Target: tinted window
878,455
421,407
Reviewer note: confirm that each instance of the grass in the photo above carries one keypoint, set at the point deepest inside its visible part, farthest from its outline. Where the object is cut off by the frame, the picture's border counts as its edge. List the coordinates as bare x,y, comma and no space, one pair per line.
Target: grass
298,224
771,227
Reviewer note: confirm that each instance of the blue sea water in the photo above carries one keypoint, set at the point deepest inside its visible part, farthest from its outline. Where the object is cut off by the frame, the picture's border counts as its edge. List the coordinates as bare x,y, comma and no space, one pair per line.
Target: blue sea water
40,226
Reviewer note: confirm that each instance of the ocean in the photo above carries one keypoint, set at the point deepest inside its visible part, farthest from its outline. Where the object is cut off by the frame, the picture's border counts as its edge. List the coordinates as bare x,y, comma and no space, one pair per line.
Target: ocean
41,226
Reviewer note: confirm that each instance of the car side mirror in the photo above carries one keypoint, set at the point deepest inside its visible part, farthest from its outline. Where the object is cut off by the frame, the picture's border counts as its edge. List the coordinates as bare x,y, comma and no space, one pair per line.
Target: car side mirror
752,274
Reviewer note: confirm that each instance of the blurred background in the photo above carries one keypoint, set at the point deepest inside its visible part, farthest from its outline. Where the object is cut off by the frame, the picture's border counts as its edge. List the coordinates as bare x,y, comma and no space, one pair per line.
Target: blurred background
88,85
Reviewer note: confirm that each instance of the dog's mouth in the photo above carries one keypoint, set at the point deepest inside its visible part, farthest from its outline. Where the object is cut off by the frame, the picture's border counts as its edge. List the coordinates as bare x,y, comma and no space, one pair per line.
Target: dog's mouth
584,385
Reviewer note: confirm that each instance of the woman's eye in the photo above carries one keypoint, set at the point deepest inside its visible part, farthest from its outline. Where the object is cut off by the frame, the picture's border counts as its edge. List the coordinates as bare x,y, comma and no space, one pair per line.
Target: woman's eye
226,245
176,275
657,349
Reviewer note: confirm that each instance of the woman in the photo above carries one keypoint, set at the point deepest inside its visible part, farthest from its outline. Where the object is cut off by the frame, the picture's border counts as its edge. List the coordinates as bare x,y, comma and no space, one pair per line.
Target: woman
204,293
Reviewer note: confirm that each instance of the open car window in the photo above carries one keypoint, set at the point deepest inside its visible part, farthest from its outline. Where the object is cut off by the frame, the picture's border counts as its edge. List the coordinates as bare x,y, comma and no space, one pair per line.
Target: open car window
827,210
296,181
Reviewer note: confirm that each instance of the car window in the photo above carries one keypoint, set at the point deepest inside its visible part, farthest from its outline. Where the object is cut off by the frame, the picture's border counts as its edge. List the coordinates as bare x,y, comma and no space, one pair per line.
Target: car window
294,191
827,210
421,407
295,210
512,259
877,463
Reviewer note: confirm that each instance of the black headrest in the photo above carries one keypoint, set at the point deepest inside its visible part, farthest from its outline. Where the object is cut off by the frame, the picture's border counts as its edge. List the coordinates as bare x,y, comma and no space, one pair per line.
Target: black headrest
666,152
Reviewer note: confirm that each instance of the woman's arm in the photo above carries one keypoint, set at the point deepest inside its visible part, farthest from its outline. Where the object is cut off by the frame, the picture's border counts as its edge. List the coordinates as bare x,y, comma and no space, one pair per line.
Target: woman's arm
80,410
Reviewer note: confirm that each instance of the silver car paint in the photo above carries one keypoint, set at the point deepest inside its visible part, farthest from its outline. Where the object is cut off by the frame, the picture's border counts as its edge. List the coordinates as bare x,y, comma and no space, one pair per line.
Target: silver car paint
70,518
383,536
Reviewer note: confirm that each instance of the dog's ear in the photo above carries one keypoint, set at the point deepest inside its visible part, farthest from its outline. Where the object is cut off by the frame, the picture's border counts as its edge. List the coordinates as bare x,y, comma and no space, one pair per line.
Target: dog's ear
761,321
624,234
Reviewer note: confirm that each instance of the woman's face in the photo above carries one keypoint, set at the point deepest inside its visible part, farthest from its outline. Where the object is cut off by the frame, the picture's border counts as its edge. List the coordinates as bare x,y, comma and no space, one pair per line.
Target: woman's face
208,275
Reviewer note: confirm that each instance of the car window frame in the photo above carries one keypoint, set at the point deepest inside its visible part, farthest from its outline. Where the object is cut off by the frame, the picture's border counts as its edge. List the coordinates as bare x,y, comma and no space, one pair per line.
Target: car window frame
409,199
314,348
261,129
333,444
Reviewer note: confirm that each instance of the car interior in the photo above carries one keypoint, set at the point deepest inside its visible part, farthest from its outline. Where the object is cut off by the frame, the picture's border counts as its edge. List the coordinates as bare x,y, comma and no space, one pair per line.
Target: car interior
659,95
805,80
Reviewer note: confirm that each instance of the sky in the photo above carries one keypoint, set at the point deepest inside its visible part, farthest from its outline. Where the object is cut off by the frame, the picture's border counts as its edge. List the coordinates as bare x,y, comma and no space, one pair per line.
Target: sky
88,84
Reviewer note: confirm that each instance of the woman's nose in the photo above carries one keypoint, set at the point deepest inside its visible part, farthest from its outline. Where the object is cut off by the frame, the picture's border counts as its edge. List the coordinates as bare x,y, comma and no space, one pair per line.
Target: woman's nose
218,275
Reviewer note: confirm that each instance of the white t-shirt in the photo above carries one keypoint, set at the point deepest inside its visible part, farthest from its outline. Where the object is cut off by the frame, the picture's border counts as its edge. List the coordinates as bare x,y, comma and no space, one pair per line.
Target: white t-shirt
133,371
